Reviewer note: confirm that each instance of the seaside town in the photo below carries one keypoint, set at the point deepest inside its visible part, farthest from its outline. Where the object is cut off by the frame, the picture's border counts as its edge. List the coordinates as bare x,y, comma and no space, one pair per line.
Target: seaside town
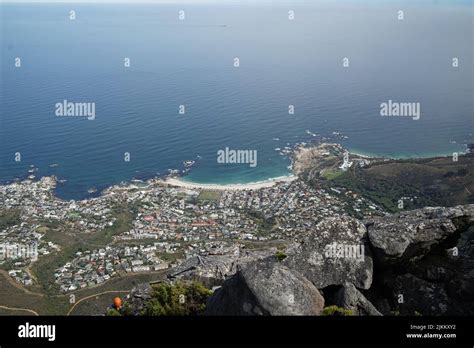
170,220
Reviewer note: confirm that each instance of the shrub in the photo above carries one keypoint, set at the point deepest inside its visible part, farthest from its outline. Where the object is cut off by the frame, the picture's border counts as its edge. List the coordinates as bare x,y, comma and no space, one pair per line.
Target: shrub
280,255
177,299
112,312
336,311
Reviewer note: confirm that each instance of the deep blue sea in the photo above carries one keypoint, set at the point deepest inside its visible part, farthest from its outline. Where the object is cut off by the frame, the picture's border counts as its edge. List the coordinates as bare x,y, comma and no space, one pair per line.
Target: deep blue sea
190,63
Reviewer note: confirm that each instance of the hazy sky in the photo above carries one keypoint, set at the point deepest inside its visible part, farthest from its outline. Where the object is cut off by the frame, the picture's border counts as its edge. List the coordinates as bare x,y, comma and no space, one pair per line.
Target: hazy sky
160,1
242,1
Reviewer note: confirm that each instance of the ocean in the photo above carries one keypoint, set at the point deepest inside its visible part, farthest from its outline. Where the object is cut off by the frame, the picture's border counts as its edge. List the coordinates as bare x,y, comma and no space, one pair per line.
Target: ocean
190,62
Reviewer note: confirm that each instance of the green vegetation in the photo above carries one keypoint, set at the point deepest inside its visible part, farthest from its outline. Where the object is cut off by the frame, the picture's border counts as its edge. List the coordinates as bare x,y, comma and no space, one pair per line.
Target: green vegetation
336,311
112,312
14,295
177,299
382,191
73,215
9,217
171,257
265,225
105,237
206,195
7,264
280,255
331,174
433,181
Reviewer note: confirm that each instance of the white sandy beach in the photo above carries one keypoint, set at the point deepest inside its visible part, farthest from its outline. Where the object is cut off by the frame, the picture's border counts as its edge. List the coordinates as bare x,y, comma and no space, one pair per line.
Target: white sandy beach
229,187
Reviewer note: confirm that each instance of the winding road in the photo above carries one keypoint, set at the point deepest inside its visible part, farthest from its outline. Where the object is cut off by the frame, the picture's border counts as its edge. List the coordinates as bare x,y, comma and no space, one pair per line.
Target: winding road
20,309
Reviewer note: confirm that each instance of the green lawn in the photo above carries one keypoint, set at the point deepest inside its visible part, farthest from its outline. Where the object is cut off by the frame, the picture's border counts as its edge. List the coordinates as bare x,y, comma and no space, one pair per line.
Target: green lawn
331,174
209,195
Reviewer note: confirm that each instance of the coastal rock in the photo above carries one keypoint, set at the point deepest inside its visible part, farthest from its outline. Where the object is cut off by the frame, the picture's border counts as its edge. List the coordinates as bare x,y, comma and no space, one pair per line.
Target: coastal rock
349,297
336,252
266,288
411,234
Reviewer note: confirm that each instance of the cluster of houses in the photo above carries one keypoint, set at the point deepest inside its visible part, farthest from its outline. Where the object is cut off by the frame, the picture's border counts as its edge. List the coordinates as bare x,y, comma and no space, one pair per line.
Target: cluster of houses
20,245
94,267
283,211
37,202
21,276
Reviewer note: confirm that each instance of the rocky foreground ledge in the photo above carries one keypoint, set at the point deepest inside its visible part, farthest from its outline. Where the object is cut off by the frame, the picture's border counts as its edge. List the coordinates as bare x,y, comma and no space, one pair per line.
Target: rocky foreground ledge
418,262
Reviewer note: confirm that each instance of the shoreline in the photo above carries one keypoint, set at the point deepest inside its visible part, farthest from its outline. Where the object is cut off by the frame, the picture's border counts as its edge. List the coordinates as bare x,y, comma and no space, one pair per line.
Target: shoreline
179,182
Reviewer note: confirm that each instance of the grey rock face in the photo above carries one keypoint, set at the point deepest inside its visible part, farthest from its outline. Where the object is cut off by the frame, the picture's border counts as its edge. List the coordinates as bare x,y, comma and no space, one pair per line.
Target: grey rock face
426,256
414,233
335,253
451,271
266,288
138,298
350,298
421,296
214,269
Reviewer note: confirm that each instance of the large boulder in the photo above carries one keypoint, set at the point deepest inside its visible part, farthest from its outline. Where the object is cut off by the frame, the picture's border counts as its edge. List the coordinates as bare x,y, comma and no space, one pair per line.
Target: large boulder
266,288
334,253
408,235
349,297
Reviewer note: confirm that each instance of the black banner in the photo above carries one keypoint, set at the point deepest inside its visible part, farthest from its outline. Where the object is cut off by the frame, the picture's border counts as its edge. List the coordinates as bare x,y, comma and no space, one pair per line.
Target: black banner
222,331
